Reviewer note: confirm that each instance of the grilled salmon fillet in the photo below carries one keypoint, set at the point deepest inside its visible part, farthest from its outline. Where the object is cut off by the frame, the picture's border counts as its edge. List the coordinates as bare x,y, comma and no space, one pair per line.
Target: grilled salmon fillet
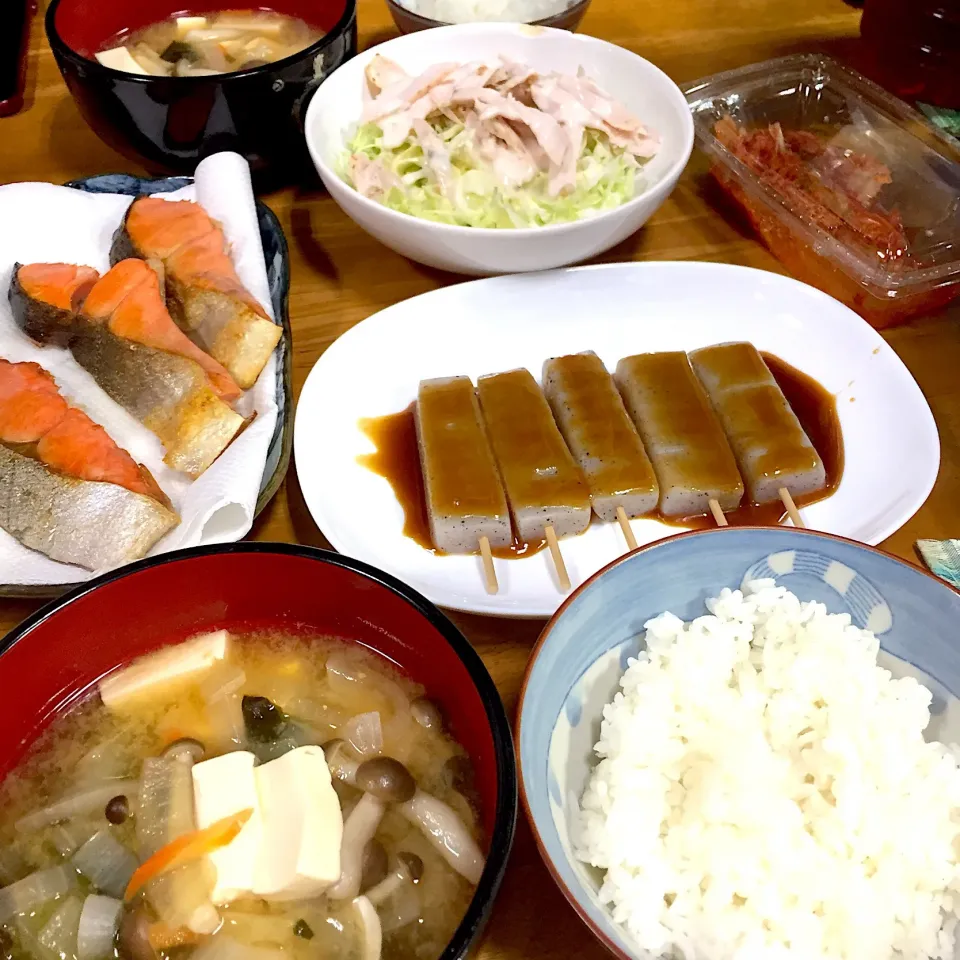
203,292
124,337
66,488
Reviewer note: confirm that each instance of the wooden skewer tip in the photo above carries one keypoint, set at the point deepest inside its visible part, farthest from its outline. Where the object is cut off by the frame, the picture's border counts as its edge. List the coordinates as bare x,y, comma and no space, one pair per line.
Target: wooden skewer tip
489,572
718,513
624,521
554,546
792,510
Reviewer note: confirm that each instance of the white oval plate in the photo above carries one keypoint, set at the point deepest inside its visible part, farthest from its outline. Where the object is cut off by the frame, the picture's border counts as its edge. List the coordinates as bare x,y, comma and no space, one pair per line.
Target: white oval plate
891,444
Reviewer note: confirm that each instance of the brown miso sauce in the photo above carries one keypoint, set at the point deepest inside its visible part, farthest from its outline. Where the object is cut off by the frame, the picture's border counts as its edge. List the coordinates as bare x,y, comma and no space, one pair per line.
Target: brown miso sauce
536,465
397,460
597,422
816,409
517,550
462,477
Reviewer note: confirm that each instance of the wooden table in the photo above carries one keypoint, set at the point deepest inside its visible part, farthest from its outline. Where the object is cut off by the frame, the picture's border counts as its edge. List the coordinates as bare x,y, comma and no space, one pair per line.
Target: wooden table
341,276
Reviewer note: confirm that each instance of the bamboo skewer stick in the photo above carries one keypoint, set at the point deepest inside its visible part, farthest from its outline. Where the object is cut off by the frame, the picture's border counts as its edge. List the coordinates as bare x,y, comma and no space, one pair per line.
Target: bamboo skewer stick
718,513
624,522
792,510
489,573
554,546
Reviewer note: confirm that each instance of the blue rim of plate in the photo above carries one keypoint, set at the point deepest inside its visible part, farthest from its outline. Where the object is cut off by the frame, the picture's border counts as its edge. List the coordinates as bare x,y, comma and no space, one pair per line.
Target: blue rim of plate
277,257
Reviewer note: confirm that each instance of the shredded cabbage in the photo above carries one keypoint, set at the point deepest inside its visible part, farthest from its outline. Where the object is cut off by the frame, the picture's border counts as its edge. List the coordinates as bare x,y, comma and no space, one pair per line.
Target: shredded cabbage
606,178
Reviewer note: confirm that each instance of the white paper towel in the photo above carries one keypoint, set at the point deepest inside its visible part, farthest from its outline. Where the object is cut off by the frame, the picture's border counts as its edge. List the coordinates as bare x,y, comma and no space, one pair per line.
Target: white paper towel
51,224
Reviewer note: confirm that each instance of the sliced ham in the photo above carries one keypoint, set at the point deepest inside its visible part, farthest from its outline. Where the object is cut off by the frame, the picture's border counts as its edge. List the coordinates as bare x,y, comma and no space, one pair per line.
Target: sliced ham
371,177
516,121
380,73
563,176
549,132
405,92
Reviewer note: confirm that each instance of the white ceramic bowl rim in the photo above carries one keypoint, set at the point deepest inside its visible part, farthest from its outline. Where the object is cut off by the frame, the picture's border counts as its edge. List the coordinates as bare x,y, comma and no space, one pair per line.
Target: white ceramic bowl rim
672,172
539,22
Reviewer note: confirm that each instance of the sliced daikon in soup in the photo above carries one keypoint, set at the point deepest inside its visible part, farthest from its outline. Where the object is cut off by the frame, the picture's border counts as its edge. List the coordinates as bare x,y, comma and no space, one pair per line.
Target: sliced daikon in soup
241,796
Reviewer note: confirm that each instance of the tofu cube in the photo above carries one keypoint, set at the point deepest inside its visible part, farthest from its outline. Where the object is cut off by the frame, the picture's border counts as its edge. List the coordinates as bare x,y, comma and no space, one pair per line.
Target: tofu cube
119,58
161,673
186,24
302,826
223,786
289,849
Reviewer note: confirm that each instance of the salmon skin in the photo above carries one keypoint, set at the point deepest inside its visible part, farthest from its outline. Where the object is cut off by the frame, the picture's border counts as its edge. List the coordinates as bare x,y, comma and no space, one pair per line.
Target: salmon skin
58,288
124,337
204,294
48,296
66,488
128,299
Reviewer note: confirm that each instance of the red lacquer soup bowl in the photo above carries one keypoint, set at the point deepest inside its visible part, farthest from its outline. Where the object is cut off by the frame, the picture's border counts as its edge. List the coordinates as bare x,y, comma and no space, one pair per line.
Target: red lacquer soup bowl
169,124
54,657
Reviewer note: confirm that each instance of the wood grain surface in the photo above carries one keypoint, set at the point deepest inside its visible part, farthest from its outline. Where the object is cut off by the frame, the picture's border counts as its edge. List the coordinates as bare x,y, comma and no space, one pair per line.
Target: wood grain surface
340,276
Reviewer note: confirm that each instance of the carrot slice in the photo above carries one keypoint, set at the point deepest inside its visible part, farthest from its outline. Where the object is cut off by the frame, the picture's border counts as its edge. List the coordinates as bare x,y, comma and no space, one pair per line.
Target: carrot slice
190,846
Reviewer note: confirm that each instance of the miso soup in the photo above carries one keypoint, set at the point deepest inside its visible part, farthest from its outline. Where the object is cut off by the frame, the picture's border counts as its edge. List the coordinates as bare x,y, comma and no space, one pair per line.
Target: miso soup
208,44
253,797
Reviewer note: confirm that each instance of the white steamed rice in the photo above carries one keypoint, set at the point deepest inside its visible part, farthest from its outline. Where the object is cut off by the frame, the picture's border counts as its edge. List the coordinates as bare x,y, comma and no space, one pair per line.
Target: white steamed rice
765,791
472,11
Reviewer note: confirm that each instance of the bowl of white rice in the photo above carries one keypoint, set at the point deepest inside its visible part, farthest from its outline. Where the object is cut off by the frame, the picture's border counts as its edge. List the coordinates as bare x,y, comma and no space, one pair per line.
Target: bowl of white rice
413,15
741,743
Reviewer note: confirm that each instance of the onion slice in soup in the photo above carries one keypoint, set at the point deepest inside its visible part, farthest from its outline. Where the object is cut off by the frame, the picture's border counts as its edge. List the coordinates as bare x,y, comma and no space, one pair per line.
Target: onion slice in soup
365,734
59,933
36,889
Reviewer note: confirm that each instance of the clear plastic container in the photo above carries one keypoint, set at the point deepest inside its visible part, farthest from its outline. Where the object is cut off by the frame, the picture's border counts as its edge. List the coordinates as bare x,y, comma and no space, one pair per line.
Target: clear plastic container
850,188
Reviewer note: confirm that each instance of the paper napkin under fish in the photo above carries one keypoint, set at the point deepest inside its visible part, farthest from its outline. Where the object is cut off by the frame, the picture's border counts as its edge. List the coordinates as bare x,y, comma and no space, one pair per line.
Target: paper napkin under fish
45,223
943,559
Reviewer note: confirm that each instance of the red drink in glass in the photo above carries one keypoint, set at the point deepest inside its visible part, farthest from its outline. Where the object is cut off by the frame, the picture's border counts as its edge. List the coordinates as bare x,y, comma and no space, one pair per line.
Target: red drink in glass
913,48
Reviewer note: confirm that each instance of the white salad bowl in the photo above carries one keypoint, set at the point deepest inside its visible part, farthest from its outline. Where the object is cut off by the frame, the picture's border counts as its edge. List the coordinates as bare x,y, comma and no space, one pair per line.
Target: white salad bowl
647,91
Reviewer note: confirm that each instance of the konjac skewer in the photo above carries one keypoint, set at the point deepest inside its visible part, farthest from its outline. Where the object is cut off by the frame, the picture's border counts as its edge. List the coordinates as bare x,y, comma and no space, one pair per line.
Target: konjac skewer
547,493
694,464
466,504
774,454
792,512
718,516
592,419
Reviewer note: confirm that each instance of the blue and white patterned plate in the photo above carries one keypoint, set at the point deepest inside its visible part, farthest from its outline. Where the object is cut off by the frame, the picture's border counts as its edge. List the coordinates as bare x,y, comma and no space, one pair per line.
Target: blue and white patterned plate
277,259
583,651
